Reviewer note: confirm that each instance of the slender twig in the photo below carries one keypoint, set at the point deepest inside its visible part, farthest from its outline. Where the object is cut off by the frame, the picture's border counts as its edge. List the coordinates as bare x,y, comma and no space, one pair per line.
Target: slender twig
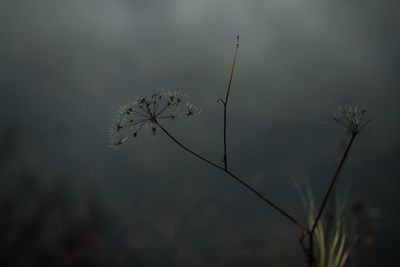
188,149
277,208
225,102
268,201
333,182
310,254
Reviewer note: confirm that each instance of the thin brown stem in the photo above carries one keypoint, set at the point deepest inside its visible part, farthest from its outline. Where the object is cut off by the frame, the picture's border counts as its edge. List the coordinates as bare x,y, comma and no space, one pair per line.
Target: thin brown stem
333,182
310,249
188,149
269,202
225,102
272,204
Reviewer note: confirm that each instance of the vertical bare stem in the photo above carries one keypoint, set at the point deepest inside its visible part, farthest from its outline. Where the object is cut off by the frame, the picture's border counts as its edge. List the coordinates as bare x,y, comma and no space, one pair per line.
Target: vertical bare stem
225,102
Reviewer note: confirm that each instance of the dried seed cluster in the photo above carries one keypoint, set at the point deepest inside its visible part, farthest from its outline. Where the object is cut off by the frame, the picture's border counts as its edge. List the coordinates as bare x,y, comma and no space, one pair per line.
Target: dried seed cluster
147,111
353,118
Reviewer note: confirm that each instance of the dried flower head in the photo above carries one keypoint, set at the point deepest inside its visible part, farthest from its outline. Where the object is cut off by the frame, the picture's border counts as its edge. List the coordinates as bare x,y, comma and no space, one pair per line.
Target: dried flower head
353,118
147,111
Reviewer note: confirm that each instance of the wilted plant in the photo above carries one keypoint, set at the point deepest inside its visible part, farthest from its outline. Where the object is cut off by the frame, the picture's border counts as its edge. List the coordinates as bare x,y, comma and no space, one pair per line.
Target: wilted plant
149,111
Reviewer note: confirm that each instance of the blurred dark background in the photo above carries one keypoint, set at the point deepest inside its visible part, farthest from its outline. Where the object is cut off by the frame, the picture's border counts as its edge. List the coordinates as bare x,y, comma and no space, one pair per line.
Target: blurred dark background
67,199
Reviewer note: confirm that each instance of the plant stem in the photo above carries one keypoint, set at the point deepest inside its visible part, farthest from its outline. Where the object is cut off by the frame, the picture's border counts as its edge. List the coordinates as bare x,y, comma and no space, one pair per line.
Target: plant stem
333,182
188,149
226,101
269,202
310,251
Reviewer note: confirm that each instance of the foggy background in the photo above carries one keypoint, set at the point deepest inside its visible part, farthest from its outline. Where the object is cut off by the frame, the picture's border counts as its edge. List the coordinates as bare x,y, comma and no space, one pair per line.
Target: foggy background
67,199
